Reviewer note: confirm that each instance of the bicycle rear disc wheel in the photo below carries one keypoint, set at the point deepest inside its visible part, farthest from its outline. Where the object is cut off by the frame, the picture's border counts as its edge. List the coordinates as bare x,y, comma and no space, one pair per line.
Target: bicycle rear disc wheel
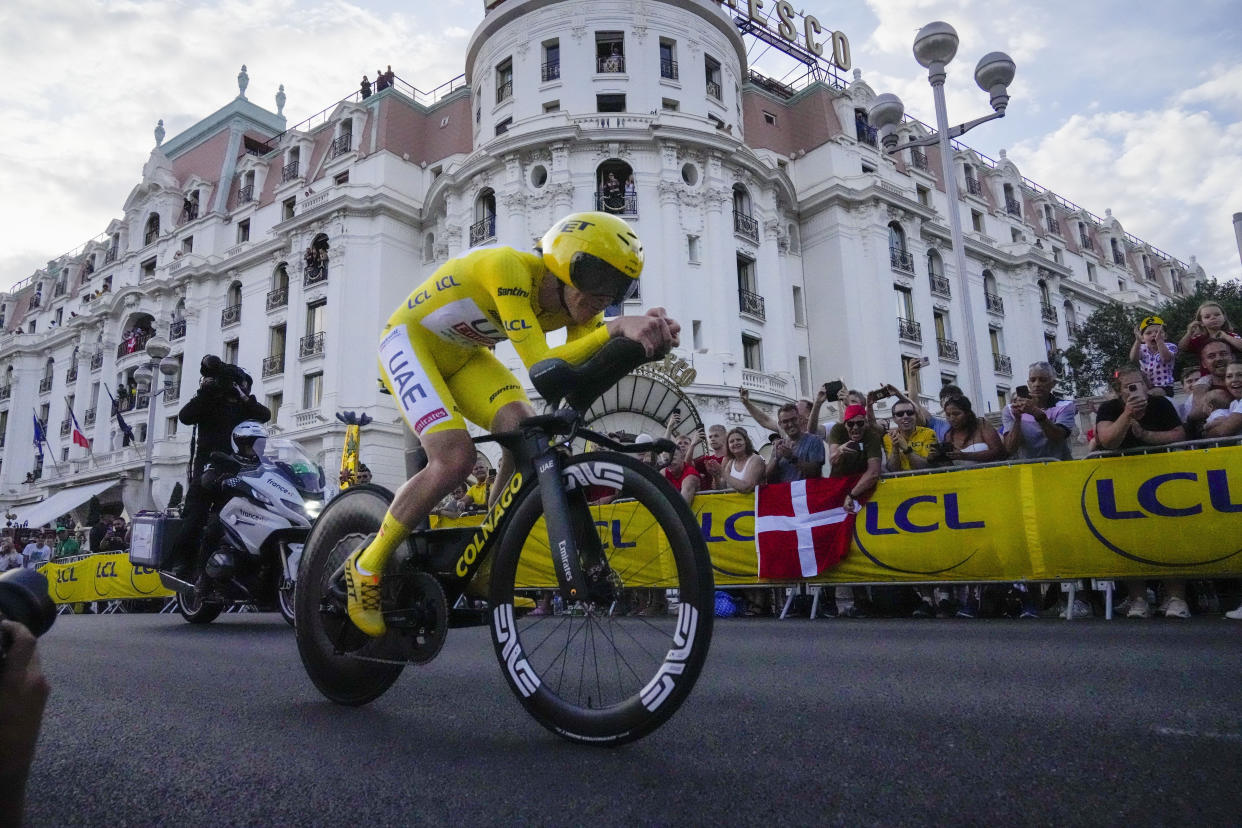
322,628
614,668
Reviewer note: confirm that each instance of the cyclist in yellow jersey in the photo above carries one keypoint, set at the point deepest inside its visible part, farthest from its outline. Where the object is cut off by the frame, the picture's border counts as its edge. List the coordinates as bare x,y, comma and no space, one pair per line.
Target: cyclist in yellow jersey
434,357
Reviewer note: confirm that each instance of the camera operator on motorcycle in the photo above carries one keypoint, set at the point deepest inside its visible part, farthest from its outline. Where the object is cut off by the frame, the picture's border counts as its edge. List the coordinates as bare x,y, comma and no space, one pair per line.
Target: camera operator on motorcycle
434,357
222,403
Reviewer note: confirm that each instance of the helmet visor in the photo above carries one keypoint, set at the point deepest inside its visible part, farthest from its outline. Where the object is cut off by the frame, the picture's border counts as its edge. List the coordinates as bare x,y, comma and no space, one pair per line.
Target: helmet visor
591,274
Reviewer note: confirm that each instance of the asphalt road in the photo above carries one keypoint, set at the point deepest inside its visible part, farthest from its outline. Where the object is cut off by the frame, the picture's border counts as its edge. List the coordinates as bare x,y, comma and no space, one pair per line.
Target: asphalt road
155,722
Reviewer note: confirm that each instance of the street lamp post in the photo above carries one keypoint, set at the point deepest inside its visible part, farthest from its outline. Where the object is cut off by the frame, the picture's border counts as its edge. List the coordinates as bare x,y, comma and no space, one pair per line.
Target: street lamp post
157,348
935,46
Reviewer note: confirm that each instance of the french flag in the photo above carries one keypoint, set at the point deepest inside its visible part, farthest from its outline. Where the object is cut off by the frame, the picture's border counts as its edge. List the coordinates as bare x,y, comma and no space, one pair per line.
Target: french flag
79,439
802,528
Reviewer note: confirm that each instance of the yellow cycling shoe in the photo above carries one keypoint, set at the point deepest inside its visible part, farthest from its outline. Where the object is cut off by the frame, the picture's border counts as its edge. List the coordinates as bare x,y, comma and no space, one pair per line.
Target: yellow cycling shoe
363,592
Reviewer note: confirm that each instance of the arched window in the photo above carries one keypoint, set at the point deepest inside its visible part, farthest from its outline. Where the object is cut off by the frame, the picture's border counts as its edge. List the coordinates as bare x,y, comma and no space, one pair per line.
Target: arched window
896,237
280,277
315,264
935,267
1044,297
1012,206
484,227
615,191
152,231
899,256
234,294
744,223
49,368
1071,318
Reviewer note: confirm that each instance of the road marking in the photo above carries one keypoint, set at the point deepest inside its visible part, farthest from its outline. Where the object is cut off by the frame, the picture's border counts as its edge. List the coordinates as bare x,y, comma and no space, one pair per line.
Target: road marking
1204,734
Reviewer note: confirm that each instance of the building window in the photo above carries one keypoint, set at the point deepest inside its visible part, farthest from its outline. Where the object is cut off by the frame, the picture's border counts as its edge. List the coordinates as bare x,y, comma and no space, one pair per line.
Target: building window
504,80
696,328
288,207
551,69
610,103
752,353
976,221
804,375
669,105
273,403
769,118
692,245
799,311
609,52
187,245
484,227
668,59
552,106
243,231
312,390
924,195
341,178
712,73
905,302
316,315
148,269
230,352
170,427
1091,274
152,231
503,126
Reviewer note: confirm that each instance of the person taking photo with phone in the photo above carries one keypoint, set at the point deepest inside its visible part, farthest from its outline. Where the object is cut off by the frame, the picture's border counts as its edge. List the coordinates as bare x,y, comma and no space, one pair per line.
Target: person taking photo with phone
1037,424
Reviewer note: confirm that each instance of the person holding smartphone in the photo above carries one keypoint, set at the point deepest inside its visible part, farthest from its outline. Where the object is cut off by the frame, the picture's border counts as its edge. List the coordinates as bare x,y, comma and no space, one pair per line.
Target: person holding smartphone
1037,423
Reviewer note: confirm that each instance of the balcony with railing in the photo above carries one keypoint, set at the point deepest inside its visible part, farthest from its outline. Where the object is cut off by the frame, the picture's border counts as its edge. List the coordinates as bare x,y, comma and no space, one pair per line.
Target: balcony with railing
1054,226
110,256
919,160
610,64
277,298
6,391
746,226
940,285
713,90
96,360
150,236
66,425
483,230
230,316
59,289
176,329
71,376
901,260
311,345
504,91
750,303
189,212
867,134
132,344
1002,364
764,381
668,69
273,365
143,402
1119,258
1149,273
909,330
1086,242
1013,207
1048,312
89,417
994,303
245,195
947,348
45,385
340,145
35,301
551,71
622,204
974,187
289,172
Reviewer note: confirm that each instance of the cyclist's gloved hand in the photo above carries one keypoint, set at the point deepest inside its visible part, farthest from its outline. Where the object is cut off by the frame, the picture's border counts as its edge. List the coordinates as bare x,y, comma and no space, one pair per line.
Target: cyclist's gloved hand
656,332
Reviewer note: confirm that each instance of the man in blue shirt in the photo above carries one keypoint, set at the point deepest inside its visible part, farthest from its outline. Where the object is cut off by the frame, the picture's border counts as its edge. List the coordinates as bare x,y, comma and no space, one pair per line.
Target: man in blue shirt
798,455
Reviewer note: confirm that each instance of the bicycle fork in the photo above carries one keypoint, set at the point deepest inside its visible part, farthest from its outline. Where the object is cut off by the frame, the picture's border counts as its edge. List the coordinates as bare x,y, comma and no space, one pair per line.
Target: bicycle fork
563,535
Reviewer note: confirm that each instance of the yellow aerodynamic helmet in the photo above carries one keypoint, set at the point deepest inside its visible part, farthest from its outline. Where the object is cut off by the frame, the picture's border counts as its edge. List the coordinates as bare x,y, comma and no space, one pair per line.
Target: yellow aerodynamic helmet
596,253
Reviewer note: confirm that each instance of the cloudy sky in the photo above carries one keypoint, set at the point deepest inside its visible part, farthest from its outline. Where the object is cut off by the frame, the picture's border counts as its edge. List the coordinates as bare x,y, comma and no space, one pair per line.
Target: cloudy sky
1130,104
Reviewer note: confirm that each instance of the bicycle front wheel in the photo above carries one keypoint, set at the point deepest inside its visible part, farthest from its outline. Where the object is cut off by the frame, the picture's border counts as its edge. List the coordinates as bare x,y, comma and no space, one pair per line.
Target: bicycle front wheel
611,669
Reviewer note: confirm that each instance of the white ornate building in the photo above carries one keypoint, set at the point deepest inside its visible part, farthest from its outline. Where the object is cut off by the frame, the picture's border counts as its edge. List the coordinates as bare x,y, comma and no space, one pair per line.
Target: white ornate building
791,248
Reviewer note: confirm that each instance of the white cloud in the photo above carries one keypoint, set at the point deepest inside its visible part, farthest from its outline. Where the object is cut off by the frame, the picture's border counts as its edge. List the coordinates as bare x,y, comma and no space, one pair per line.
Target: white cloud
1222,89
78,128
1173,177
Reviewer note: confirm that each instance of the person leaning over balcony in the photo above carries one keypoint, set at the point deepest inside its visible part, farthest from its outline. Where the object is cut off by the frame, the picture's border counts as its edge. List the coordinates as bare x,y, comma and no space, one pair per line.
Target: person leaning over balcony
1039,426
1134,418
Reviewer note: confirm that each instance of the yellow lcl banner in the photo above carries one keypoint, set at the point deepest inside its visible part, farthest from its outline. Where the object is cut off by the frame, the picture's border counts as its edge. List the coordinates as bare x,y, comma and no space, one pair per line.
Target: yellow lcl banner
101,577
1160,515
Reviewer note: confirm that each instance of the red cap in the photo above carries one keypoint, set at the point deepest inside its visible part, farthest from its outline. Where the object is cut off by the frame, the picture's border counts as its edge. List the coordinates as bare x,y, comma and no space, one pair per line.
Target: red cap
852,411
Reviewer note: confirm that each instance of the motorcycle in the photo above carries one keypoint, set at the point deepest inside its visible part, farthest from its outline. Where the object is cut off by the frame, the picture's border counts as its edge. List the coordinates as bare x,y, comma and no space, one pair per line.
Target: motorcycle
265,512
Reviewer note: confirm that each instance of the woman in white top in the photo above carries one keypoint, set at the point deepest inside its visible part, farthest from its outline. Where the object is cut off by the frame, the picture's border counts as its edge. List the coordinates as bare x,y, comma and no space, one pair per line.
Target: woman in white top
743,467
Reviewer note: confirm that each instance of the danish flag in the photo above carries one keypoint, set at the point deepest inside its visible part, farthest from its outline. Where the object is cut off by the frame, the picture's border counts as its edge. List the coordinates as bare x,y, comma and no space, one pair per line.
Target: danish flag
802,528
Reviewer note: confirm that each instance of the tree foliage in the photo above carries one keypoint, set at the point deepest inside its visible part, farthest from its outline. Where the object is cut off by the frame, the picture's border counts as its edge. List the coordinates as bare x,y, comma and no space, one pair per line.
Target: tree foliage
1103,342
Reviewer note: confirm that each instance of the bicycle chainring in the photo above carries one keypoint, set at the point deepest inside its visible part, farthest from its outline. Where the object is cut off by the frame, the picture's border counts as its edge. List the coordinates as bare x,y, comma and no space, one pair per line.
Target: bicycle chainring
416,613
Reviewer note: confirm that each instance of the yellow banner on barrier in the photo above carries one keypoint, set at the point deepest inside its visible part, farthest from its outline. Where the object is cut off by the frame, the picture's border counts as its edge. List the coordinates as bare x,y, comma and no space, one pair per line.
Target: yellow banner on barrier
1159,515
102,577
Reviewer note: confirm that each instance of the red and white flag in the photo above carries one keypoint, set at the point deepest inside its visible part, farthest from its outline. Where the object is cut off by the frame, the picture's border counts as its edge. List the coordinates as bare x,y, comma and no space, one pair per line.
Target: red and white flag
802,528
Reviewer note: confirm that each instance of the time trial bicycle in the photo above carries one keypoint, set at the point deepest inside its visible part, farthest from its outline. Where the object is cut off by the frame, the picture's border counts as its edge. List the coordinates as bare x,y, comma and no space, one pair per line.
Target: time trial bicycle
601,531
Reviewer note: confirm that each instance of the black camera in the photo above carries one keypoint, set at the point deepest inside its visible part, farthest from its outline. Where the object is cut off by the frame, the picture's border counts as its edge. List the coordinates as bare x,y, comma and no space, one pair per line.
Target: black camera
24,599
224,376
